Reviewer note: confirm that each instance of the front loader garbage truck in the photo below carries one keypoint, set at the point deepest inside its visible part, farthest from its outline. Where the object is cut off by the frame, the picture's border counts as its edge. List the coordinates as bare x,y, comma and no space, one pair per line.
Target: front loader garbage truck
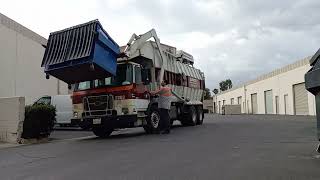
108,101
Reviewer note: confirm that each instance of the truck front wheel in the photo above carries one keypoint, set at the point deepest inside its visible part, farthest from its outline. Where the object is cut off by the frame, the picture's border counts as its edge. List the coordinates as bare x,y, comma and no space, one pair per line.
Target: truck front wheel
101,132
153,121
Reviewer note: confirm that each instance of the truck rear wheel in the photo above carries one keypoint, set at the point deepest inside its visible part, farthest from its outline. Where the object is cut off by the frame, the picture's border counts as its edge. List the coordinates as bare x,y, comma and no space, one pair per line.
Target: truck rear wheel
190,118
200,115
101,132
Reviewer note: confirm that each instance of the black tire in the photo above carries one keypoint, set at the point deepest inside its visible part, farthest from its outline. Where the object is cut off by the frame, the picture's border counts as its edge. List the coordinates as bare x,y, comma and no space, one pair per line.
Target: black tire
153,121
101,131
190,118
85,124
147,129
199,115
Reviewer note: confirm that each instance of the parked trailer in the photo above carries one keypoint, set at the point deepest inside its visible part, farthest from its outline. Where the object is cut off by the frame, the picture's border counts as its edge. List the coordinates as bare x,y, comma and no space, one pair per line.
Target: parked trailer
124,100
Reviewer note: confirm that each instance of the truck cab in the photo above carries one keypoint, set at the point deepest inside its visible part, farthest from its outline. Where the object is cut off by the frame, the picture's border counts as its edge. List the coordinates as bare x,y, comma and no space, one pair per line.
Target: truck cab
124,95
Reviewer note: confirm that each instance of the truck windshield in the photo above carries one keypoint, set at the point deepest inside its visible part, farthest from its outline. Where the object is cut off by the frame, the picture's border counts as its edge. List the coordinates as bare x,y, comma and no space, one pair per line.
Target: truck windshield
124,77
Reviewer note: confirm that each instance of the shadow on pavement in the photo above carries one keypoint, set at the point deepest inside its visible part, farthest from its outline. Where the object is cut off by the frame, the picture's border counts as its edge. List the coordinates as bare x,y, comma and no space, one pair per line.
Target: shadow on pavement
130,133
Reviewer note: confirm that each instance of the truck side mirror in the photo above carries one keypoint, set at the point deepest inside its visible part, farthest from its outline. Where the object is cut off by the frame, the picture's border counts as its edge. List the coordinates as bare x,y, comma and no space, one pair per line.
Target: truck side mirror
69,86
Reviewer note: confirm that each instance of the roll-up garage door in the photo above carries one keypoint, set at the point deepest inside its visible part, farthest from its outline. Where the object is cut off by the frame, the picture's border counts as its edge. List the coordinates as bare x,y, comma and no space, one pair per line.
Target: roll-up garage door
268,102
300,95
240,103
254,103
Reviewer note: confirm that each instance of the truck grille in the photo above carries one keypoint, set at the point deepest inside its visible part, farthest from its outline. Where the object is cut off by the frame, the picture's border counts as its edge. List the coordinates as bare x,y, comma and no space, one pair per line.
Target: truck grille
98,105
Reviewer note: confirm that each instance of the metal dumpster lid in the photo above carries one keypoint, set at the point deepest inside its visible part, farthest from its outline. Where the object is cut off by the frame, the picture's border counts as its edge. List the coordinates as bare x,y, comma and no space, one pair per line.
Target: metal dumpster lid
84,24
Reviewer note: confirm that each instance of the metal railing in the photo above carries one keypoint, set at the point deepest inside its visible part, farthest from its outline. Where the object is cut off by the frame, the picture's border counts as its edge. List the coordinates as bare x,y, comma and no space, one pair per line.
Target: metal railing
95,106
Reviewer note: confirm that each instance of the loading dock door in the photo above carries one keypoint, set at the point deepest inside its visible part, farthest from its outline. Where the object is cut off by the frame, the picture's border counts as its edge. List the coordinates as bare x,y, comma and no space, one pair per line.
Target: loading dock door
254,103
300,96
277,104
268,102
240,103
286,104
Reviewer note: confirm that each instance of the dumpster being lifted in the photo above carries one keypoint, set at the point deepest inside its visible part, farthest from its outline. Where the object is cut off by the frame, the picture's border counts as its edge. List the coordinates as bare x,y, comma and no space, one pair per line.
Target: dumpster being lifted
81,53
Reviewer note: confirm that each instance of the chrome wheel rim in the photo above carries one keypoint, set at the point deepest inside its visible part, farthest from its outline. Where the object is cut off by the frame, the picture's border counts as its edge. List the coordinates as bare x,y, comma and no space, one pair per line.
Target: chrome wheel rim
194,117
200,116
155,118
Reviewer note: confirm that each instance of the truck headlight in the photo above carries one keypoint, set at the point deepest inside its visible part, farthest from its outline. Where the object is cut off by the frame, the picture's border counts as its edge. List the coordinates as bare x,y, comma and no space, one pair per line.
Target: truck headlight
125,110
75,114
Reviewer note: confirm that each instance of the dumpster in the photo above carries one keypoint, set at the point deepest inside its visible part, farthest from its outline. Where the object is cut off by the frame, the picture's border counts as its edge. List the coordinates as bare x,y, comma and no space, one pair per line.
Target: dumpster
312,79
81,53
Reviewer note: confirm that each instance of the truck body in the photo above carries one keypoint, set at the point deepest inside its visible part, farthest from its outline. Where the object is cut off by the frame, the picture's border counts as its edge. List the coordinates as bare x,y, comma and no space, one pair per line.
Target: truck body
124,100
312,79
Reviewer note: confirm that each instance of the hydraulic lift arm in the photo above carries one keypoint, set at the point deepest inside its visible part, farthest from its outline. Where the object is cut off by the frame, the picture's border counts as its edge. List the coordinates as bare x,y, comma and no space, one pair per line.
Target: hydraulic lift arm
136,42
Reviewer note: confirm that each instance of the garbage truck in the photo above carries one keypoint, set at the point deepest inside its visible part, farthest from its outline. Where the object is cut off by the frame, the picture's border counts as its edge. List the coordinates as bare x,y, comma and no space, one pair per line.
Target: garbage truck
312,79
112,84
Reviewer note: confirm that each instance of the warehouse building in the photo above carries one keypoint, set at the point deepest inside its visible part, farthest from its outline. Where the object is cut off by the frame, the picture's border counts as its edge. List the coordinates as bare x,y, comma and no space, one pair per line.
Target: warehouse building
281,91
208,106
21,52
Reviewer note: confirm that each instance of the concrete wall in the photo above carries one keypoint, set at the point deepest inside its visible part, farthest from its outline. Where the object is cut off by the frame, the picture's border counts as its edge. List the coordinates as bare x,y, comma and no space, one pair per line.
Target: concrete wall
11,119
21,53
280,81
208,104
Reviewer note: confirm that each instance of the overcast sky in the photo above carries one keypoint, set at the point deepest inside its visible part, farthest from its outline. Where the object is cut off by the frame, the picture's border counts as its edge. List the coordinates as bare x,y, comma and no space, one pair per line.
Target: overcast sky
236,39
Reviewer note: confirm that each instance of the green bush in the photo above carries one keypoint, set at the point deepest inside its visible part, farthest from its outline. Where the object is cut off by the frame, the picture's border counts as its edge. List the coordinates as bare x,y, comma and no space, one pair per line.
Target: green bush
39,121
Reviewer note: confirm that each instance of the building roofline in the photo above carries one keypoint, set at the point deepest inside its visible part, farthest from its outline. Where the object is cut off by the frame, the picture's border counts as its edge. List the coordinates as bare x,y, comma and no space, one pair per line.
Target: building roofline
273,73
15,26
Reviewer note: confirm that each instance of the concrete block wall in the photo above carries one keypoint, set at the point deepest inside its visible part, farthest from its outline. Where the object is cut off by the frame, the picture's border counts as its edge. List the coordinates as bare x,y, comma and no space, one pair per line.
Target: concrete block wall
11,119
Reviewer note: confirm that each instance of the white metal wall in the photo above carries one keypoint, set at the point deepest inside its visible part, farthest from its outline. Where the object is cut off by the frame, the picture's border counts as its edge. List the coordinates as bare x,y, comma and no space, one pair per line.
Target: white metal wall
21,54
286,104
281,83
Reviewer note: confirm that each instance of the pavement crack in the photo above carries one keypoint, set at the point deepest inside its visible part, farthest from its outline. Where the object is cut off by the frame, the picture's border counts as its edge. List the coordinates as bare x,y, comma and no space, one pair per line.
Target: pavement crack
35,158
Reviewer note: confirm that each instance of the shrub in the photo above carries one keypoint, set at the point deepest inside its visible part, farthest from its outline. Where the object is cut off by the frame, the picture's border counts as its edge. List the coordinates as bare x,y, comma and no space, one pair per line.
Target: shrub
39,121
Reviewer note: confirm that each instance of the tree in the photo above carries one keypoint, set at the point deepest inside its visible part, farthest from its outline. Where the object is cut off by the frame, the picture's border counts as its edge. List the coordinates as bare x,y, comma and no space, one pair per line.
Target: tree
215,91
229,83
207,94
225,85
